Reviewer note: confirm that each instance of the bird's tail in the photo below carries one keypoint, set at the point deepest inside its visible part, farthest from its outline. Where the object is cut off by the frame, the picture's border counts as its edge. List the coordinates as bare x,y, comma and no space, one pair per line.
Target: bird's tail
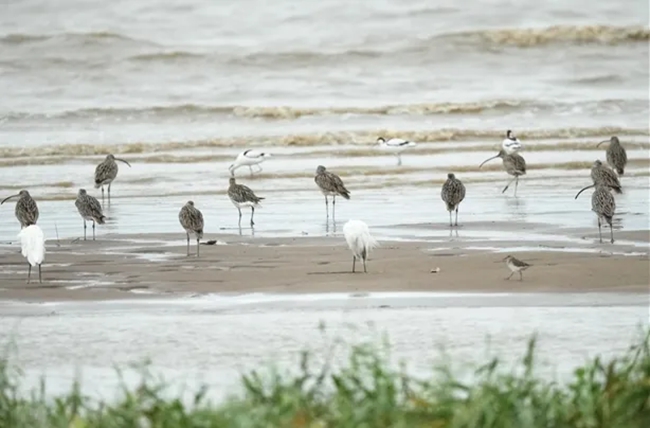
618,189
411,144
345,193
101,220
620,171
98,184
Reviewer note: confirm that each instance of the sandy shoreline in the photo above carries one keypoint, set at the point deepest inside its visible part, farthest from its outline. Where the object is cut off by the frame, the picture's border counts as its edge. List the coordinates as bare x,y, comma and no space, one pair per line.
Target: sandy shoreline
155,266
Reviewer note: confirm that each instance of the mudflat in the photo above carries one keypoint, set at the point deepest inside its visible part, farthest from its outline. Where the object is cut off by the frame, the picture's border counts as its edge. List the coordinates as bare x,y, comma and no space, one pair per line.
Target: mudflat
156,265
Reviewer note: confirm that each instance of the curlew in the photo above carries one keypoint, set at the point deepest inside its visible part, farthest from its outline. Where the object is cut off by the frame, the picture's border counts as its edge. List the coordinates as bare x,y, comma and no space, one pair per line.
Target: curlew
192,221
396,146
604,205
330,185
514,165
602,175
616,155
32,243
106,172
511,144
359,241
248,158
453,193
242,196
515,265
89,209
26,209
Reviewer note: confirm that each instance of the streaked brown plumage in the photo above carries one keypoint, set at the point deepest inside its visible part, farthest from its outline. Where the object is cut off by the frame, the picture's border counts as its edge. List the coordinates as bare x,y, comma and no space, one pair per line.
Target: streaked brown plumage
242,196
192,221
602,174
26,209
516,265
330,185
90,210
514,165
453,193
604,205
616,155
106,172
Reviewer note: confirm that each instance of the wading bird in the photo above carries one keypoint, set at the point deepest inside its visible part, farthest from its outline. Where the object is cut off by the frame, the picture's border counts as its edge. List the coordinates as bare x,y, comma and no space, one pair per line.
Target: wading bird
241,197
511,144
106,172
514,165
89,209
32,243
516,265
453,193
359,241
604,176
616,155
26,209
192,221
604,205
330,185
396,146
248,158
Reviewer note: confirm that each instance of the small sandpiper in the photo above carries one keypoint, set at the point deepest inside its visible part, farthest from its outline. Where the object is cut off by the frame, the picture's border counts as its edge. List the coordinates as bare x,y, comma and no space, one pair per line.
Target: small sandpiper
515,265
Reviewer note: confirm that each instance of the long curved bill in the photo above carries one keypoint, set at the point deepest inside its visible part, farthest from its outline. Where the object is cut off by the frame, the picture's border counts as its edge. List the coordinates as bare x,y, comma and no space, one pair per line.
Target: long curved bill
606,141
122,160
7,198
582,190
493,157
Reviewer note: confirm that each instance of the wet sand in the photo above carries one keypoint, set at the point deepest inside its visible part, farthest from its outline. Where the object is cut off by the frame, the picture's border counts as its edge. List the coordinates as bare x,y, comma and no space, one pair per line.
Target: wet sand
148,266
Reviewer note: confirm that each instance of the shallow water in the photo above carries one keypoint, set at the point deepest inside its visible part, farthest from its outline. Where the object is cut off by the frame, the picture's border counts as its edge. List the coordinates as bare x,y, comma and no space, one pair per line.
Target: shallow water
180,90
213,338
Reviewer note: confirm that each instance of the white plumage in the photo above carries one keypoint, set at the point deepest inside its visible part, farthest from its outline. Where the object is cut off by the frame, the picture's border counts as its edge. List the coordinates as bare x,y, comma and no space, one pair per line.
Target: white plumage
358,237
395,145
511,144
249,158
32,242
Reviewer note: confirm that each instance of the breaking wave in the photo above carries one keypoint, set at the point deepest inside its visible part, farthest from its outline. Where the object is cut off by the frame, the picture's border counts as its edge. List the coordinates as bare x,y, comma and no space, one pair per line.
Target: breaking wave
291,113
70,38
572,34
359,138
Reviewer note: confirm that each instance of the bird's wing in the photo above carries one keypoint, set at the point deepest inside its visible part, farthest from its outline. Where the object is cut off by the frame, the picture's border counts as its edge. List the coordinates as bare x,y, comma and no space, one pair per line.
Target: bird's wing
241,193
105,170
28,208
252,154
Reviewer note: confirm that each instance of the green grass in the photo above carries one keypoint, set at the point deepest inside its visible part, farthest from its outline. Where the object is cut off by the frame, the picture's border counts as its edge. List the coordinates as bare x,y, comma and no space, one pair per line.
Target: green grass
368,391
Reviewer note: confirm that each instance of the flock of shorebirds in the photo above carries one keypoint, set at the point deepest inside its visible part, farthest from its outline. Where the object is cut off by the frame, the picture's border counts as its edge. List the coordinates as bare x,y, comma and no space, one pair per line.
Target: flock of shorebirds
605,180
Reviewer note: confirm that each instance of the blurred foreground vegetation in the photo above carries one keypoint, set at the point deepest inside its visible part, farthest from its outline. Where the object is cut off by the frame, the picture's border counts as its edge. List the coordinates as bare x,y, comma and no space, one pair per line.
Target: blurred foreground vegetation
365,392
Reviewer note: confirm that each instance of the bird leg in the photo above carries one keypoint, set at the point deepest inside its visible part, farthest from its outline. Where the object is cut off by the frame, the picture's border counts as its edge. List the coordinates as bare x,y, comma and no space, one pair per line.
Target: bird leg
450,219
399,159
516,184
239,209
40,278
456,217
354,261
252,214
84,229
599,232
508,185
327,209
188,243
109,193
251,169
611,232
511,273
197,247
102,193
333,207
93,230
29,273
521,276
259,166
364,265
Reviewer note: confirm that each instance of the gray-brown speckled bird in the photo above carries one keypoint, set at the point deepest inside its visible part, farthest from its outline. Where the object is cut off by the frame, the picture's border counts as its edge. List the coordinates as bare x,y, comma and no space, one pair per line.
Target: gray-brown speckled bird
616,155
241,197
453,193
192,221
514,164
26,209
89,209
106,172
330,185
